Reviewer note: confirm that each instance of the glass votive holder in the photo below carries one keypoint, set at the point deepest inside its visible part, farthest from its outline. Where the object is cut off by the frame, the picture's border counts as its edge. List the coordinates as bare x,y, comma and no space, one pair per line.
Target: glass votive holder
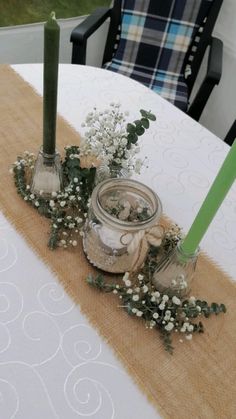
47,177
122,212
104,172
175,271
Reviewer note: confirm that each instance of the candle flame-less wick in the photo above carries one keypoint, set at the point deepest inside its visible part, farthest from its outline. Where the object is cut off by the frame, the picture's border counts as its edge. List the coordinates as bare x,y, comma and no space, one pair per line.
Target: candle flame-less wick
53,15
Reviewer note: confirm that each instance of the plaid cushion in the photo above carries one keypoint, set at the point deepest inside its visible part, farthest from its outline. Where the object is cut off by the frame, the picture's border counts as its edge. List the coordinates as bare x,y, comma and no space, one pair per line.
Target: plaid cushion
155,36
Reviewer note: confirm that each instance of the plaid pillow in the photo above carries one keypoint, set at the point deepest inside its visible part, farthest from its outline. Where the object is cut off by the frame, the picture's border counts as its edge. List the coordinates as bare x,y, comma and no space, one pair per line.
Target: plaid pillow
155,36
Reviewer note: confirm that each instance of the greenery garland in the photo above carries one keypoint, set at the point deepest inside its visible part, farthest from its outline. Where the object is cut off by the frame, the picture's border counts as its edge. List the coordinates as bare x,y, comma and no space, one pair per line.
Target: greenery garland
67,209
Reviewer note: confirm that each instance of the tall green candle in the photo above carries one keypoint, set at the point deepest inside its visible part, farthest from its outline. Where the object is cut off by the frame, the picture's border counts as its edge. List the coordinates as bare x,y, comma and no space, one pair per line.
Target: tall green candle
212,202
50,80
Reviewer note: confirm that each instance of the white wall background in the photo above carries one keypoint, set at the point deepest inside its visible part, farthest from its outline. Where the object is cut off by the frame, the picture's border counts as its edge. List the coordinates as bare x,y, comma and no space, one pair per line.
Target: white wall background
25,44
220,111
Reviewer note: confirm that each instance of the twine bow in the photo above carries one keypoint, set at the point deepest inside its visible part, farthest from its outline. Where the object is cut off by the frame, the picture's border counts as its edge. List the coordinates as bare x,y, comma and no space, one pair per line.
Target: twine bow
140,242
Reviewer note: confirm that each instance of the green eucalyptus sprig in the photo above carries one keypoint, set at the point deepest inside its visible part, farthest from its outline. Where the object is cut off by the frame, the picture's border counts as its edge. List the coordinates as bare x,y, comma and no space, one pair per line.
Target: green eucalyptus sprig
140,298
138,127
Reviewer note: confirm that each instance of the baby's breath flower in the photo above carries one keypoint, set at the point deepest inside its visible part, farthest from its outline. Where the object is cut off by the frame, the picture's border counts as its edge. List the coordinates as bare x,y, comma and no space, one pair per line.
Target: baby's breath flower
176,300
169,326
127,283
51,203
145,289
129,291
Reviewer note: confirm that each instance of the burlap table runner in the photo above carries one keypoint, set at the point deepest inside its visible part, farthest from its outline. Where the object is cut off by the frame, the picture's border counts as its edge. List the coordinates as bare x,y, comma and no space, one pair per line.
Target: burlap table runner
198,381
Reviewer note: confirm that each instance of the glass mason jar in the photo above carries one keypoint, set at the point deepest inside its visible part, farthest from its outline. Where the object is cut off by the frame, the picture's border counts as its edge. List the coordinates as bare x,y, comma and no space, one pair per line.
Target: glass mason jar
121,212
175,271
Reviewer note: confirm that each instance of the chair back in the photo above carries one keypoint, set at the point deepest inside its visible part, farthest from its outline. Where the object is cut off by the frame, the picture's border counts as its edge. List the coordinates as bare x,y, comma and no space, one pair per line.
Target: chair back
161,34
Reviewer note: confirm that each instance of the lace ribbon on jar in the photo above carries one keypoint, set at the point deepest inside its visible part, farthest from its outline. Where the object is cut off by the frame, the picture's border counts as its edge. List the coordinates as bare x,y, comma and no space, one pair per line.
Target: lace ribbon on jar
141,242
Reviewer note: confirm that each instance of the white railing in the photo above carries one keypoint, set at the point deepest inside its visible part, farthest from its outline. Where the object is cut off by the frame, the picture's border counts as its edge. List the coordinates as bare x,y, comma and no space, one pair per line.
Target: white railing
24,43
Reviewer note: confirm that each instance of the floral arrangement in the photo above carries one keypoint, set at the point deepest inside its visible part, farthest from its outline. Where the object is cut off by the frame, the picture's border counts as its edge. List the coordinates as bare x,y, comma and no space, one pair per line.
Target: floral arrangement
109,143
109,147
110,140
168,314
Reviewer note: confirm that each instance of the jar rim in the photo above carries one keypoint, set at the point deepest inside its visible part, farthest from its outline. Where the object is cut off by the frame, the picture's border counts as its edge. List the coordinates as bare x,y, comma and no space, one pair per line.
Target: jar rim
140,189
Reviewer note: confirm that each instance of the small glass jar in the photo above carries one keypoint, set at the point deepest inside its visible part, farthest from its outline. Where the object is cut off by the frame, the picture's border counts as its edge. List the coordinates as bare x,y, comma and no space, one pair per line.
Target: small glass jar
175,271
104,172
122,211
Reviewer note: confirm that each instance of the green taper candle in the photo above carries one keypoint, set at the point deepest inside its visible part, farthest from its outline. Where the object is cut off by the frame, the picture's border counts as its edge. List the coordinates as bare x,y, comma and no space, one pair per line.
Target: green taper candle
50,81
212,202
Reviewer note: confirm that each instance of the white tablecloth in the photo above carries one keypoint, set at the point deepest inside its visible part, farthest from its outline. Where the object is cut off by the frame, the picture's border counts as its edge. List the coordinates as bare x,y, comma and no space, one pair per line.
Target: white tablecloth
53,364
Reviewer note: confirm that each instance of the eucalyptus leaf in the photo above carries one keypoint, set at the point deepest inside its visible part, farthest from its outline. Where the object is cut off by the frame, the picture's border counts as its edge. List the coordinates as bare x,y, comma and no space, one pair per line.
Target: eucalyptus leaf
145,123
140,130
131,128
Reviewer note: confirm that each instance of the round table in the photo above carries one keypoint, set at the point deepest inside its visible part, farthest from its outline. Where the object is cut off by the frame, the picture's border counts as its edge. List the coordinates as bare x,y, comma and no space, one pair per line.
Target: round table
53,364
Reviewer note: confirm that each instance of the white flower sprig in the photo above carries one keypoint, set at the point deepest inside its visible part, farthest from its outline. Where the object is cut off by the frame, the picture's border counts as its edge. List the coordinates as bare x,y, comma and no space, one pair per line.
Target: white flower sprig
112,140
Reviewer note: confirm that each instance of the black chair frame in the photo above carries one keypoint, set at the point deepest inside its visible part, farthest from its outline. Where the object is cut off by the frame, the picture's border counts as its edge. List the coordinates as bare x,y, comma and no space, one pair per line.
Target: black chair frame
231,135
82,32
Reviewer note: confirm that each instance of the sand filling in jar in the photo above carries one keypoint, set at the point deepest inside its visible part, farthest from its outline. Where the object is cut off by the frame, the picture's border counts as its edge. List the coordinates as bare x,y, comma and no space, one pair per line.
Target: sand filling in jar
121,212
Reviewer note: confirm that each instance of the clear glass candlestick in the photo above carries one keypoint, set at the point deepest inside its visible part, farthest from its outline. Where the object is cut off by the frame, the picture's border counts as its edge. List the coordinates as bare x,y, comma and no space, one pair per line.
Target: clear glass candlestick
47,177
175,271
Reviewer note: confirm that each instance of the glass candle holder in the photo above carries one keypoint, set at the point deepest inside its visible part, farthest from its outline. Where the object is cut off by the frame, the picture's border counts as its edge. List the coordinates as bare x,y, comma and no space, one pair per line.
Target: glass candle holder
122,212
47,176
175,271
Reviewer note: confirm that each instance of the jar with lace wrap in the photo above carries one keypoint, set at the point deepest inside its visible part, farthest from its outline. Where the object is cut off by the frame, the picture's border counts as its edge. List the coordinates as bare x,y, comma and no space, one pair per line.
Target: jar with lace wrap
122,223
